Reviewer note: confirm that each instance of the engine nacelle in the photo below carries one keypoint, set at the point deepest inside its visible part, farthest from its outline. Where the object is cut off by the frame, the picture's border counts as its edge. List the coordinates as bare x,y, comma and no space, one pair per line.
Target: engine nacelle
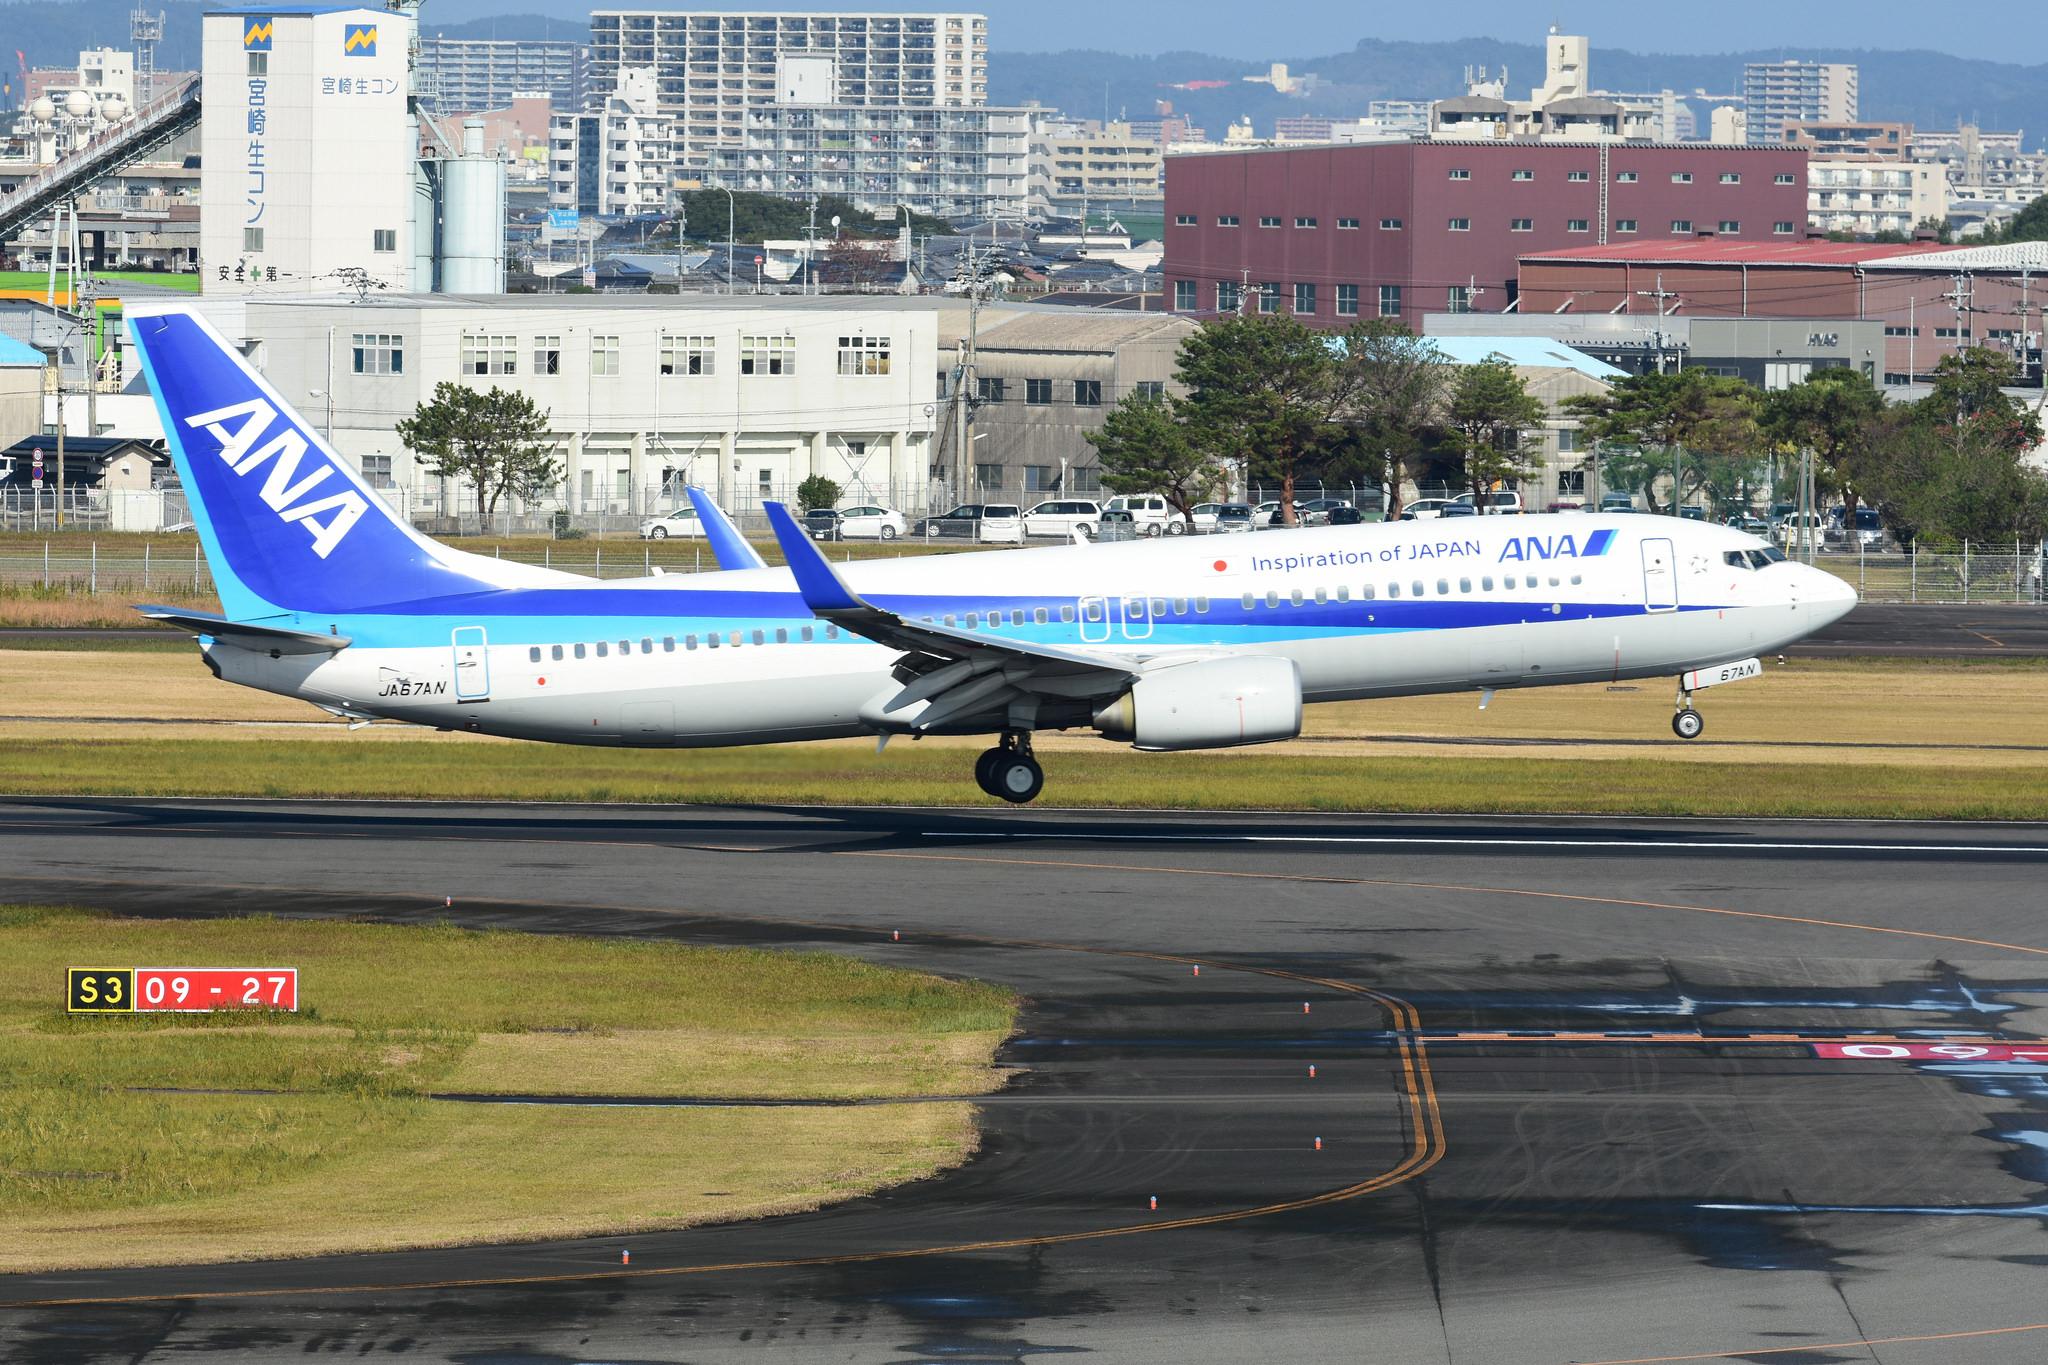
1213,704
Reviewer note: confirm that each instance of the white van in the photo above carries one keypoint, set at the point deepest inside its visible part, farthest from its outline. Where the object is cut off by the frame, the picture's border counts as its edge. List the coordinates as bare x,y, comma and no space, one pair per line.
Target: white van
1153,514
1002,523
1496,504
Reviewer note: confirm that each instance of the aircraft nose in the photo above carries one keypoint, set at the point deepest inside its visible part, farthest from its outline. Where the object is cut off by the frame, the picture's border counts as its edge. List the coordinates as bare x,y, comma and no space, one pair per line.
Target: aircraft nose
1829,598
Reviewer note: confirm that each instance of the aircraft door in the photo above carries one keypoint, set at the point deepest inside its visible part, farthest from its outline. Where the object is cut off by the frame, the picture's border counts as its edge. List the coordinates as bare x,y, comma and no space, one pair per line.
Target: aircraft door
1135,617
1094,619
1660,575
472,665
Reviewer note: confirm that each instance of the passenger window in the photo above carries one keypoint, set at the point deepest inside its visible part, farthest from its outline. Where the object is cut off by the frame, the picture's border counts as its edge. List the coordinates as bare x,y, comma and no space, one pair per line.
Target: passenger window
949,621
625,647
1367,593
603,649
1158,607
1416,589
689,642
646,644
974,620
668,644
760,638
831,632
1576,580
1066,613
781,637
1487,583
713,641
1295,597
1038,615
1322,597
533,655
1201,606
736,639
1443,587
579,651
1393,589
807,634
1343,592
1017,617
1272,599
1464,585
1553,580
556,653
1247,601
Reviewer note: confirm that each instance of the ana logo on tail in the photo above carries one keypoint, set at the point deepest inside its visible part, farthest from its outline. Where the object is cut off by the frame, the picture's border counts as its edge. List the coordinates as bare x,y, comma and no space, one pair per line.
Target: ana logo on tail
289,500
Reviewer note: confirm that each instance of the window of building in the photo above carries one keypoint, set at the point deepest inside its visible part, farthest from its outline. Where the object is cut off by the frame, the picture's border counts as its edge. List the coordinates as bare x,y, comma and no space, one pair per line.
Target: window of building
688,355
1461,225
1624,225
1347,300
1624,177
767,355
1184,220
1087,393
381,239
604,355
1731,177
1151,388
378,353
489,354
1782,178
252,239
1304,299
1576,177
1038,392
547,355
1226,220
1039,478
1390,300
1347,224
259,63
1521,225
1576,225
1952,333
1184,296
863,355
1730,227
1783,227
1900,330
989,390
1269,220
1681,177
1390,225
1269,297
377,471
1304,222
1522,175
1229,296
1459,298
988,478
1459,173
1681,225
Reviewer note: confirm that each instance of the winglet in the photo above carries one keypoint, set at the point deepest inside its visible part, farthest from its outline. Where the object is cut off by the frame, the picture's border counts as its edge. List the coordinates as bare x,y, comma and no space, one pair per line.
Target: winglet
822,589
728,546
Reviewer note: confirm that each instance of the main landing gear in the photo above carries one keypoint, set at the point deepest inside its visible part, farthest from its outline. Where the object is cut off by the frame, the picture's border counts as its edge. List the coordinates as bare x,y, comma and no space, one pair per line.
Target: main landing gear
1688,723
1009,770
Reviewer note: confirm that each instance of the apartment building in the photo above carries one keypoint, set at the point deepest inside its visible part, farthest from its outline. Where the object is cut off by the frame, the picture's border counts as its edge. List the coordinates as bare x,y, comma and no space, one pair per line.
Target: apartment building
1777,93
711,68
617,160
1855,195
1075,166
1399,229
947,163
470,75
1863,140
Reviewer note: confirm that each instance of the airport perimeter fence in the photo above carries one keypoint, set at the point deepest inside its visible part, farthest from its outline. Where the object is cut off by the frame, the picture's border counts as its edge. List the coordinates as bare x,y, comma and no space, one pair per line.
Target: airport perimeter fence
1974,574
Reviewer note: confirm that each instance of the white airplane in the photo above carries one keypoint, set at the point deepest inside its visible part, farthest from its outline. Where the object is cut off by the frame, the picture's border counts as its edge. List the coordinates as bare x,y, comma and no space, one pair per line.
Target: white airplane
1166,644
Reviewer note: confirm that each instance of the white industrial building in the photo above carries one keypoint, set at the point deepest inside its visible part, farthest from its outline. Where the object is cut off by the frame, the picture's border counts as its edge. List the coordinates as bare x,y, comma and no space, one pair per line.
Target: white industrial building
748,396
715,66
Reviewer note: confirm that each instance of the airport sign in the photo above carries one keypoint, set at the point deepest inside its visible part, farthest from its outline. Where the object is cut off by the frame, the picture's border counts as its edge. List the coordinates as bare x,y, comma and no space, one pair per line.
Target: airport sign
179,990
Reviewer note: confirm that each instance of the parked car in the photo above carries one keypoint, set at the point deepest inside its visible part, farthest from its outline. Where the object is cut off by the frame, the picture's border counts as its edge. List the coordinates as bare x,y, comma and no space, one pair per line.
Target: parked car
869,522
1116,524
1496,504
1787,531
1457,509
1316,511
1212,518
1750,522
1002,523
963,521
1427,509
674,526
1154,514
1267,512
1617,502
1344,516
1566,507
1062,517
824,523
1693,513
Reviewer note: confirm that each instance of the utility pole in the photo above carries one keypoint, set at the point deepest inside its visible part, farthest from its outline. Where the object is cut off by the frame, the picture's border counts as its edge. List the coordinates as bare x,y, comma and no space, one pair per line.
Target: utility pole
1473,289
1244,292
1660,294
810,245
1959,298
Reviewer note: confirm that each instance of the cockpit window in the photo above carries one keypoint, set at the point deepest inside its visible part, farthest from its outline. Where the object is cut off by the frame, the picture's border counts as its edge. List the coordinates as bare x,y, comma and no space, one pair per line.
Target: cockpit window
1766,556
1737,559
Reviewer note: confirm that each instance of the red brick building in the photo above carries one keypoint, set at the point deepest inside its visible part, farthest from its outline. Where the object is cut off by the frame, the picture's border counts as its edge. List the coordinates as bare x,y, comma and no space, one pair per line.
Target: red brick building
1933,299
1399,229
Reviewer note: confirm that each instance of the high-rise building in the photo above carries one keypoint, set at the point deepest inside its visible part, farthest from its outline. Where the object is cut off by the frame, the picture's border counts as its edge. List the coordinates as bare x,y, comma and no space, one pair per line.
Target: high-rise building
947,163
468,76
308,151
1777,93
1075,168
713,67
617,160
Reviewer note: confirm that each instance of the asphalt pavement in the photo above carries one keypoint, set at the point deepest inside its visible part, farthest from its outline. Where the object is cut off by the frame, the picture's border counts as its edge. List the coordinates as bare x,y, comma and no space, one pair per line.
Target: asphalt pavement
1570,1087
1927,630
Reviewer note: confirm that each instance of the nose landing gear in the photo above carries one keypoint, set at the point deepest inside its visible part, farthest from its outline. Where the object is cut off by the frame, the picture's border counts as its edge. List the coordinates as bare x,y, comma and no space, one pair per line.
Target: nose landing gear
1688,723
1009,771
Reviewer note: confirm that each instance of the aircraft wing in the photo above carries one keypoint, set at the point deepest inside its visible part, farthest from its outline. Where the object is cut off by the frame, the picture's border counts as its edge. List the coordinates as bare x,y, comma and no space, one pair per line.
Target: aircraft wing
728,546
959,673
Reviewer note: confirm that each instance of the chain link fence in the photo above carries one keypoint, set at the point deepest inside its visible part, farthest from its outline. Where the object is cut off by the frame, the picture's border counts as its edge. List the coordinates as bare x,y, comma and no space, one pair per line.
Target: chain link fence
1974,574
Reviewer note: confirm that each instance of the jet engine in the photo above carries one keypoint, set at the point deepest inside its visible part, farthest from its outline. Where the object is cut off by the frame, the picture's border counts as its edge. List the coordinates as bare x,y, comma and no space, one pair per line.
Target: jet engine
1212,704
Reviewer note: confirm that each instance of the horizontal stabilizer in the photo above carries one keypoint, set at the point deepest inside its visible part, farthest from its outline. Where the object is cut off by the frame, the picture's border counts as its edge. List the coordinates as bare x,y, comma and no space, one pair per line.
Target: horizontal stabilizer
246,634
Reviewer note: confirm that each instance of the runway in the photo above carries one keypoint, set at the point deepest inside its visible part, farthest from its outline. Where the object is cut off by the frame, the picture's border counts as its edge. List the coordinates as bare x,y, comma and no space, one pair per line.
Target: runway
1581,1087
1931,631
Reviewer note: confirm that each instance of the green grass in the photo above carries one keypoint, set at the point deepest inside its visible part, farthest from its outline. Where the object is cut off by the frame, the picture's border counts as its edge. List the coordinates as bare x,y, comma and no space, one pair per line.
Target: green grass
1794,783
40,279
389,1013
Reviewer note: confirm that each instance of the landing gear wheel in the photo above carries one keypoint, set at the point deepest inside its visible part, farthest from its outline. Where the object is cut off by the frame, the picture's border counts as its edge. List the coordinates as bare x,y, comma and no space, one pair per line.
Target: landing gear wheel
1018,778
1688,724
985,769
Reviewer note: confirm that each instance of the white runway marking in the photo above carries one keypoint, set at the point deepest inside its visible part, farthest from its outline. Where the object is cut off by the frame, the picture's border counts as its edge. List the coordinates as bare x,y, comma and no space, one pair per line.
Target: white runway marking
1480,841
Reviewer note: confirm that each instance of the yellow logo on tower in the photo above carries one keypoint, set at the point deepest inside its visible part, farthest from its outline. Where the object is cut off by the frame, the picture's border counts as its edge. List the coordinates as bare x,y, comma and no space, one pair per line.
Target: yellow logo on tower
256,37
361,41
